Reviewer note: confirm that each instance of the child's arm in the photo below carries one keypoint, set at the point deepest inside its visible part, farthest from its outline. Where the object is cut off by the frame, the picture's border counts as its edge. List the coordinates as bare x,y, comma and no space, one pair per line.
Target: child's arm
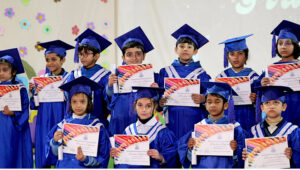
54,144
153,153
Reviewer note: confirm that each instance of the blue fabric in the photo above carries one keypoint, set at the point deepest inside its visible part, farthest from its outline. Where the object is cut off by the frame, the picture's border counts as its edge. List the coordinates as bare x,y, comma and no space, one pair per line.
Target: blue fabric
57,46
182,118
15,139
214,161
244,114
49,114
69,160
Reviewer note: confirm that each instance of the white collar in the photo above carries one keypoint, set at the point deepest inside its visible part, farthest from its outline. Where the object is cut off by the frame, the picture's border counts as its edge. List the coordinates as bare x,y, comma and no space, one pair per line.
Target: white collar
151,122
78,117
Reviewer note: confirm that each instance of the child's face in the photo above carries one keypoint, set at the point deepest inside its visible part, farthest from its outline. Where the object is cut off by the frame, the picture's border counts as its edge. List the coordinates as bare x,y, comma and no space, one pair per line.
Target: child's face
5,72
88,59
79,103
133,56
185,51
214,105
53,62
285,47
273,108
237,59
144,108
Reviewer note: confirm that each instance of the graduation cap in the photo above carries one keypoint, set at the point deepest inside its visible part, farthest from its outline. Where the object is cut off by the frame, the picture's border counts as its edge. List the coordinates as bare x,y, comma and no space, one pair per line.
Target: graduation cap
147,92
285,30
91,38
188,31
12,56
268,93
80,85
224,90
234,44
137,35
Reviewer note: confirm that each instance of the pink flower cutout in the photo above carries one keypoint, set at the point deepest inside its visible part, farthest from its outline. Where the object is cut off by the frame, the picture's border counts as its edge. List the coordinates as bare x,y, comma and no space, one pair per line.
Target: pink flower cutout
75,30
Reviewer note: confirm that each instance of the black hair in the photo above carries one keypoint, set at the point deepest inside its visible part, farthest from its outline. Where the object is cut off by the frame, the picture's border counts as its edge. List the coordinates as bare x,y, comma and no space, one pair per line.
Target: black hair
89,107
187,40
246,51
86,48
60,56
13,69
132,44
296,52
218,96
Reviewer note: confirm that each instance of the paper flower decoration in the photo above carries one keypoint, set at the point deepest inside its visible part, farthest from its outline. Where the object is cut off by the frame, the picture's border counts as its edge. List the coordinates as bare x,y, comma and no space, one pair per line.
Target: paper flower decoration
56,0
38,47
25,2
9,12
22,51
75,30
105,1
40,17
106,24
2,30
24,24
47,29
90,25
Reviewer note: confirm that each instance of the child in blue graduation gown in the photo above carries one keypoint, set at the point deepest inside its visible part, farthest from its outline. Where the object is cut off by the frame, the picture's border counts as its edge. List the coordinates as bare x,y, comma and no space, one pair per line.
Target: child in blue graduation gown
15,140
88,48
217,95
236,52
288,49
272,101
162,141
134,45
81,105
49,113
181,119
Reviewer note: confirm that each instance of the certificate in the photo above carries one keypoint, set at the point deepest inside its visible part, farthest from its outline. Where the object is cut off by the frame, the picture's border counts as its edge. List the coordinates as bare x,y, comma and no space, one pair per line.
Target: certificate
213,139
10,96
267,153
134,75
132,149
241,85
178,92
285,75
87,137
48,90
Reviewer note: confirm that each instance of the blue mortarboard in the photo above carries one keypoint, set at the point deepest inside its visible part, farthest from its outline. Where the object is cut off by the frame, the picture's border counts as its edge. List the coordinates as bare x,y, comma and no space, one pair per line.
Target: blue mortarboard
224,90
267,93
137,35
91,38
234,44
188,31
57,46
148,92
80,85
285,30
12,56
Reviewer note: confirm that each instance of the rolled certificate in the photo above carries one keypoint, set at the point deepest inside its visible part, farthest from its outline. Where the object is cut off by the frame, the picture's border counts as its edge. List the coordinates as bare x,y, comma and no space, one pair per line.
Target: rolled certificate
60,148
113,71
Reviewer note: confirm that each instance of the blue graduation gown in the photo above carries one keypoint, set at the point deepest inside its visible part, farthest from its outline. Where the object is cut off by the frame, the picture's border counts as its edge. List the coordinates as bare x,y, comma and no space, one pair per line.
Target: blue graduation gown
161,139
15,139
49,114
181,119
100,75
214,161
69,160
122,111
284,129
244,114
292,112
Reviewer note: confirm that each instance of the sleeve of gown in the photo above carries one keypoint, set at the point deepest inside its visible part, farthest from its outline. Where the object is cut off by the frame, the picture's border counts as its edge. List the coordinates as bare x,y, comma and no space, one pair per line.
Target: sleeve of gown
182,149
21,117
51,158
239,136
168,148
294,143
103,148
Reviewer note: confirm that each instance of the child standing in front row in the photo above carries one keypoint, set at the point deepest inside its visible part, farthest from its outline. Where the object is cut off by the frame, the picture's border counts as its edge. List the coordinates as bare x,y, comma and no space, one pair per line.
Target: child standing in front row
181,119
236,52
272,101
81,106
218,99
15,139
49,113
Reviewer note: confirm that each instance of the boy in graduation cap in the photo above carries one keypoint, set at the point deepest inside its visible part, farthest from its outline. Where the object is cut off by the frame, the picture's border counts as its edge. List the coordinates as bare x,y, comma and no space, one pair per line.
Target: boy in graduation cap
288,49
181,119
236,52
88,48
218,98
49,113
272,101
134,45
81,105
162,141
15,140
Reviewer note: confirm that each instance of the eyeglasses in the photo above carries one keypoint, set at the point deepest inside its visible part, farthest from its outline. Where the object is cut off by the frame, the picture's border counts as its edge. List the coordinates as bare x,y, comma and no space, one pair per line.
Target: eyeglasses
80,55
